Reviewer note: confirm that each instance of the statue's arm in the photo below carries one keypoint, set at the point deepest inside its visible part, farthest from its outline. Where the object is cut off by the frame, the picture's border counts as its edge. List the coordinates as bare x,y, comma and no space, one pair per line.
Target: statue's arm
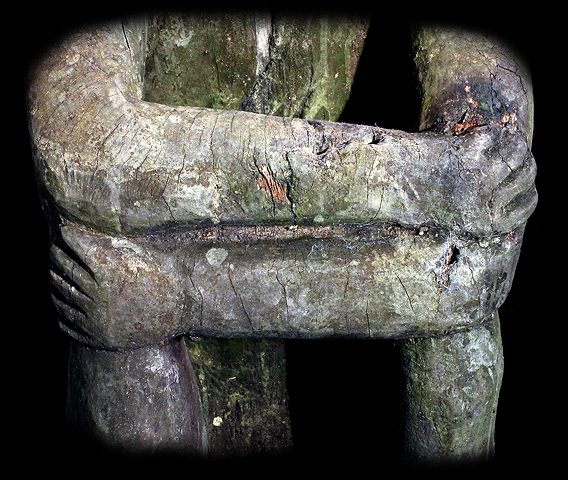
116,163
471,80
113,161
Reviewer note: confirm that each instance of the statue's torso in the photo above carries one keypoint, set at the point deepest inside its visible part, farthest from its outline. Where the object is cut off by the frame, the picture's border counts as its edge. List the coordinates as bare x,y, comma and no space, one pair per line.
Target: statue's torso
255,63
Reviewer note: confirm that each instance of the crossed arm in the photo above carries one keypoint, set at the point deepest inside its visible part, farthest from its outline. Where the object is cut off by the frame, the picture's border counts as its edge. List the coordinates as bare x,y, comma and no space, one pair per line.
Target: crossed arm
120,165
113,161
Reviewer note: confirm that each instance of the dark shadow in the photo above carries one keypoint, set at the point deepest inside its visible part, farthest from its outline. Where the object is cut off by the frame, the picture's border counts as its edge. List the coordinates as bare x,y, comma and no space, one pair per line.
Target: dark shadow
345,399
386,91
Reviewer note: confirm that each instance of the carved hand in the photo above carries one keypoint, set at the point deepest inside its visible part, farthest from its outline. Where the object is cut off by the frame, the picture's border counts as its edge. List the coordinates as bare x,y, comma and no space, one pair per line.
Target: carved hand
507,181
112,293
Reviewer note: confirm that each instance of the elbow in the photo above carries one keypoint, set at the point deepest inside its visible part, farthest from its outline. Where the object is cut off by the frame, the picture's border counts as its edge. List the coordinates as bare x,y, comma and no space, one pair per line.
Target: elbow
76,105
70,164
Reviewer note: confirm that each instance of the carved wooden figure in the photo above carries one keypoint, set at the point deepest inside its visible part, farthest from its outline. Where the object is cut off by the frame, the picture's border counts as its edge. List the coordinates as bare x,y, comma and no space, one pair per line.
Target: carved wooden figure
197,184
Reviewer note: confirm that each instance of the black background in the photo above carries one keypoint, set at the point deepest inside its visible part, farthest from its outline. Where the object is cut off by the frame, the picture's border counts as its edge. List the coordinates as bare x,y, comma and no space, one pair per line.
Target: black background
340,390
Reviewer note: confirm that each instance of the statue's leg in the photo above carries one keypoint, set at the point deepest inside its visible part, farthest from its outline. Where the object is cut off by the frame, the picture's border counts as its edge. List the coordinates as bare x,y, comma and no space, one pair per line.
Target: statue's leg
452,385
143,400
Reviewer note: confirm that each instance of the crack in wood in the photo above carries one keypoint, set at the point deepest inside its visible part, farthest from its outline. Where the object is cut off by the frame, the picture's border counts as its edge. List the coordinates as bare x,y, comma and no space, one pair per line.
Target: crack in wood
240,299
406,292
278,190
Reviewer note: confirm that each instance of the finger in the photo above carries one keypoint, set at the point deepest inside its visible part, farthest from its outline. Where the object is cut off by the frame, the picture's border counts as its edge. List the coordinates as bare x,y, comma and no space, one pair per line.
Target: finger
71,294
70,315
73,322
518,210
69,312
513,150
76,274
508,153
80,239
518,183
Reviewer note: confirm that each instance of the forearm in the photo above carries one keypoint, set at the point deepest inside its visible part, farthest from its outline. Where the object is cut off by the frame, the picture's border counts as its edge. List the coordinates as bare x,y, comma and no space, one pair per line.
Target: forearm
113,161
116,162
123,166
305,282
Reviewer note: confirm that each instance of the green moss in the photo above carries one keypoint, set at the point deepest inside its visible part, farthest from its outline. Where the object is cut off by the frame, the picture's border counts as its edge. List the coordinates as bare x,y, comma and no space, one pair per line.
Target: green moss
200,60
243,395
453,385
211,61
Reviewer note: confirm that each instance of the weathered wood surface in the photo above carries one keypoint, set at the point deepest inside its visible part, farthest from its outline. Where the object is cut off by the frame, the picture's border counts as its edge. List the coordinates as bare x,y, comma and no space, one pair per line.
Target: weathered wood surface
452,387
309,282
452,382
284,65
470,79
144,401
248,225
146,165
124,166
244,395
243,382
268,64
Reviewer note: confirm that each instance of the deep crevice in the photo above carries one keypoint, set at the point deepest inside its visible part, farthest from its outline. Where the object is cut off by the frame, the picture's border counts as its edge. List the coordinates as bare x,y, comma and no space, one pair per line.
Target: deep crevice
454,255
289,186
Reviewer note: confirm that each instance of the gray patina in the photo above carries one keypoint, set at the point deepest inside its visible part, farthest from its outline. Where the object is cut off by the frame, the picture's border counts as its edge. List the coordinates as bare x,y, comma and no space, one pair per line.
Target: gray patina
173,212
